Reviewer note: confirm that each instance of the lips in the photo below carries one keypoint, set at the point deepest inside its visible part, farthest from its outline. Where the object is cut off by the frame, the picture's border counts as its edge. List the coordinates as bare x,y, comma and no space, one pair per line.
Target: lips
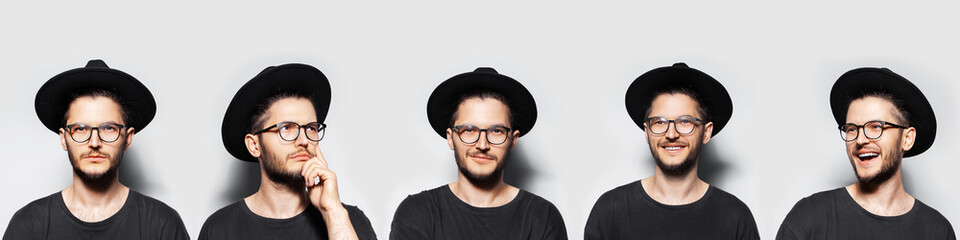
481,158
301,157
673,147
866,158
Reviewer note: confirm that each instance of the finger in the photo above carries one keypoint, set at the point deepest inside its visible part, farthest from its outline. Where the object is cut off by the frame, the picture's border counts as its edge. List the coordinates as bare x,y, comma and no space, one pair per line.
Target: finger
311,176
307,165
323,161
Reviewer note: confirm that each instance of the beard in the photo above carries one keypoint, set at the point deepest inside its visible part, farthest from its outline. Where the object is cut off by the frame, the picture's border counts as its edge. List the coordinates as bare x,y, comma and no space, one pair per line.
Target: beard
681,168
481,180
887,171
273,165
92,179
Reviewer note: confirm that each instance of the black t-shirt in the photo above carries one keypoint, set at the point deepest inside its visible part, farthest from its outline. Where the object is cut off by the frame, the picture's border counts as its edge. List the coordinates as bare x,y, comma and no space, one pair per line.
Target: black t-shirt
835,215
627,212
236,221
141,217
439,214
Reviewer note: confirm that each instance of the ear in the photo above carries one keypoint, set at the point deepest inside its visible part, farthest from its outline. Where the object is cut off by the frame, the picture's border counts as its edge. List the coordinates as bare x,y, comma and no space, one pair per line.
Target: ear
707,132
129,138
645,135
253,145
450,138
514,138
63,139
908,138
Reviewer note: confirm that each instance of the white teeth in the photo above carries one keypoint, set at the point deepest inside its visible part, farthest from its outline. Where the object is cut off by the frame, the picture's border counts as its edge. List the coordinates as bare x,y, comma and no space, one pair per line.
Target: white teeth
672,148
867,155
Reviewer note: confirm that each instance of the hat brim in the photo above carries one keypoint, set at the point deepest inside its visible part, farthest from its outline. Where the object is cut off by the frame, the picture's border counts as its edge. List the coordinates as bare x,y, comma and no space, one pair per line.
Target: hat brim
52,100
858,82
712,95
444,99
296,78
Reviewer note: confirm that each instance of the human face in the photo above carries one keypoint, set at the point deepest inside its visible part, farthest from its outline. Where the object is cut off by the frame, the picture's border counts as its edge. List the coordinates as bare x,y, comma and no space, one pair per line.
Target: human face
481,162
877,160
95,161
674,153
282,160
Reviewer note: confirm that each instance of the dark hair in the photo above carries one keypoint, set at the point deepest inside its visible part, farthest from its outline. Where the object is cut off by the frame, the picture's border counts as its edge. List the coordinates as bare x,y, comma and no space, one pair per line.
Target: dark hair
260,115
701,108
482,94
901,114
94,93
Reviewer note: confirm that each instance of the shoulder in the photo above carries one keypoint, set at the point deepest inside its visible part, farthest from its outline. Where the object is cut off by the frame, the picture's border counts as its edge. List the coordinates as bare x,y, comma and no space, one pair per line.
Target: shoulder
819,201
536,205
34,213
534,199
617,197
728,201
223,217
807,212
426,199
932,217
36,208
153,206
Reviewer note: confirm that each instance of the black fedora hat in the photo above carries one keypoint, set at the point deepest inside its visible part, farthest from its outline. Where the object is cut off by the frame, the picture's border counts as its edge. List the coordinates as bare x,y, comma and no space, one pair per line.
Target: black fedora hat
52,100
857,82
294,78
712,95
444,99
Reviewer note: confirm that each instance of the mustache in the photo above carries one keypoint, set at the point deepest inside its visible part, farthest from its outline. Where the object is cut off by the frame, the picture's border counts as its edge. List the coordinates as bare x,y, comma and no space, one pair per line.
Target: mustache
95,153
480,154
301,151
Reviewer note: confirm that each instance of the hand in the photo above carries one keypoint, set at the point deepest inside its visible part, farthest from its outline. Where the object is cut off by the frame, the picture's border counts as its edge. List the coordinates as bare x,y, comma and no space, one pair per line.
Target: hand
321,184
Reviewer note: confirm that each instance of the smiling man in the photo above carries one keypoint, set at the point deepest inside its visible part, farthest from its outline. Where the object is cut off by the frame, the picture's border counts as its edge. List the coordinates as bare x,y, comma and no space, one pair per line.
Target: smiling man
680,109
882,118
481,114
276,119
96,111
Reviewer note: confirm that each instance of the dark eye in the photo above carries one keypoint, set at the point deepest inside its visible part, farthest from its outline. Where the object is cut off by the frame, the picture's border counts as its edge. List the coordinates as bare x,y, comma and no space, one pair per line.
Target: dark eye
686,121
80,128
849,128
108,128
498,130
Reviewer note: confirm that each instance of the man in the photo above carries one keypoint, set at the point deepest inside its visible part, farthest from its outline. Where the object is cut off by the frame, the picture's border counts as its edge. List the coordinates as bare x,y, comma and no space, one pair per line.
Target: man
883,118
277,119
481,114
679,109
96,111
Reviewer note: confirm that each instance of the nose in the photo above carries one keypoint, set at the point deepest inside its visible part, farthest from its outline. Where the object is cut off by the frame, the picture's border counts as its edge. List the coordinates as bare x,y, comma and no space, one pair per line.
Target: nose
862,137
302,137
671,133
94,140
482,143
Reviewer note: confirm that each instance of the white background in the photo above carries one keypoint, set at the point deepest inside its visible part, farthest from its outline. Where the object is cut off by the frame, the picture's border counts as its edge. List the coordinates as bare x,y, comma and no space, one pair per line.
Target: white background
777,60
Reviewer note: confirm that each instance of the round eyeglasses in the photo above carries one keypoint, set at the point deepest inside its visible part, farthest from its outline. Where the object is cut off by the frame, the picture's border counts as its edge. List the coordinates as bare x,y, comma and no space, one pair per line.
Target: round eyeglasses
81,133
871,130
683,124
290,131
469,134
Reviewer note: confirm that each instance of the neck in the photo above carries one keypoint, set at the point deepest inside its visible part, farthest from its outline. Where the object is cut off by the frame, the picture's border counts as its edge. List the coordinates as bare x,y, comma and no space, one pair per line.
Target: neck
276,200
495,196
675,189
94,203
885,199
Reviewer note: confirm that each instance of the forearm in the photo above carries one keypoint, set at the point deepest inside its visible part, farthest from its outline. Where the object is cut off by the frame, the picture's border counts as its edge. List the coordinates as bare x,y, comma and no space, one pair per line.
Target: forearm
338,223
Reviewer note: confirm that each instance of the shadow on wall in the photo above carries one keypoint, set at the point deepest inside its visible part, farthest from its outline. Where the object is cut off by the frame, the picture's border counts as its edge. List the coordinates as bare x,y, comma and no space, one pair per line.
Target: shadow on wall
131,172
244,180
518,172
713,166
